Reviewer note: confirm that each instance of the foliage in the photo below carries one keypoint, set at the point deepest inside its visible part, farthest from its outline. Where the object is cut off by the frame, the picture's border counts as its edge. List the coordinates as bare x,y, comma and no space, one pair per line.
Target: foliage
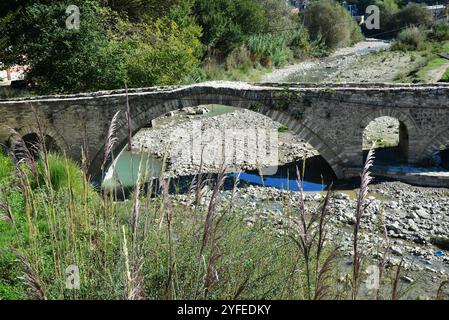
412,38
445,77
328,20
270,49
103,53
439,31
226,23
159,54
279,15
142,10
6,167
411,15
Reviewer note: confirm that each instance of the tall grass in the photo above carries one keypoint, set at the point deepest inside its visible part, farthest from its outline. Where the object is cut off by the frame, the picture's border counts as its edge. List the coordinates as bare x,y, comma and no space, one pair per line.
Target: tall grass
279,49
270,49
157,247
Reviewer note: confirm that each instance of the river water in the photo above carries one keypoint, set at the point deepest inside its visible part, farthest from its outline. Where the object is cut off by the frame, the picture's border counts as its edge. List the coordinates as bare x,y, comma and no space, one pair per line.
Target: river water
315,173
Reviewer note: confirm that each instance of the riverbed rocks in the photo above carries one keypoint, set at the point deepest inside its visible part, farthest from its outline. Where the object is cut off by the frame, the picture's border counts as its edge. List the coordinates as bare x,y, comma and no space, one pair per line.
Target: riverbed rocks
340,59
181,137
402,224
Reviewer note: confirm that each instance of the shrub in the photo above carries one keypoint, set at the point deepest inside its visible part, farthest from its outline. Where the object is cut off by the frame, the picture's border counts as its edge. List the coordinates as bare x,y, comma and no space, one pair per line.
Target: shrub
329,20
226,23
279,14
439,31
159,54
411,15
411,38
240,56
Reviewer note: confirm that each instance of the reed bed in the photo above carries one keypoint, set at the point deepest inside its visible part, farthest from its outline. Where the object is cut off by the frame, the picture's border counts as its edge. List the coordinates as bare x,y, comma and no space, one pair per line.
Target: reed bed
155,247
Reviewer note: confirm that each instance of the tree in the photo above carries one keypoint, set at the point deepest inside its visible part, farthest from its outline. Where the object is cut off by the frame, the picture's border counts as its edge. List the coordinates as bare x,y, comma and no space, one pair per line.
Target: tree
142,10
411,15
226,23
328,20
102,54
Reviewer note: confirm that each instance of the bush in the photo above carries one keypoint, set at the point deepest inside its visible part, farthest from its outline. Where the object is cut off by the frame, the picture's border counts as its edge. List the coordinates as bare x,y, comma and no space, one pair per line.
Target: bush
279,14
439,31
411,38
226,23
240,56
105,52
411,15
159,54
328,20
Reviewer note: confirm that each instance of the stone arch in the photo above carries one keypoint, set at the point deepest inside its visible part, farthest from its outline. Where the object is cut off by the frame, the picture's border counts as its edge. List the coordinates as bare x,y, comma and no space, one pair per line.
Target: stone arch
146,114
407,127
52,135
436,143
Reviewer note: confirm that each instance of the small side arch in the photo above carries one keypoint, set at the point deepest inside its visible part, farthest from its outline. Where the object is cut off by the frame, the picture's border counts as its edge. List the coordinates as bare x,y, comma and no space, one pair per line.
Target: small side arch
30,135
439,141
407,128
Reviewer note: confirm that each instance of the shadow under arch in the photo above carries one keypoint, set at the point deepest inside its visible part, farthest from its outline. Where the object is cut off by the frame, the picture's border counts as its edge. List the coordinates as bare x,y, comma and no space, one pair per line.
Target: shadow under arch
438,144
34,144
144,115
407,132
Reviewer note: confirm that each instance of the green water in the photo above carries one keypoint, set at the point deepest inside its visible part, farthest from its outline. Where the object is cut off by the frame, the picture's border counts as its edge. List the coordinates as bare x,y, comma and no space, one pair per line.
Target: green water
125,170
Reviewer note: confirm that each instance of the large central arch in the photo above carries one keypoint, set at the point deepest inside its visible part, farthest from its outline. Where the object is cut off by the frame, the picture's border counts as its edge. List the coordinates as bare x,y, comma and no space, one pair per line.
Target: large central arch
144,114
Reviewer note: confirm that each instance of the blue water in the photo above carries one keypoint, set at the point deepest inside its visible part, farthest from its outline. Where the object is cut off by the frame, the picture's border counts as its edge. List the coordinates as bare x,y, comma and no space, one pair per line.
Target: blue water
282,183
318,174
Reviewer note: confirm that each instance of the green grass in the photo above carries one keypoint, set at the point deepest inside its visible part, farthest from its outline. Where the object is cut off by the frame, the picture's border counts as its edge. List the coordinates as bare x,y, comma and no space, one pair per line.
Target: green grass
154,247
427,62
445,77
283,128
423,75
6,167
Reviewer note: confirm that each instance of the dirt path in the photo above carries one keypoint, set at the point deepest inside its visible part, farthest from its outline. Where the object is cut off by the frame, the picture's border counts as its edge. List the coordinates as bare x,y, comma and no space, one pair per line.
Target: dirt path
436,74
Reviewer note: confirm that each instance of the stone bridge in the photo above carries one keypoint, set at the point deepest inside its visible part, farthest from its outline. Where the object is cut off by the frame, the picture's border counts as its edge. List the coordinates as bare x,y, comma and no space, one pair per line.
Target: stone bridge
331,117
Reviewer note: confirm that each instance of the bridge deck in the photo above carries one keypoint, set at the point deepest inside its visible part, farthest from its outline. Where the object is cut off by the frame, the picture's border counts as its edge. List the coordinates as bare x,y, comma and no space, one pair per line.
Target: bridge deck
235,85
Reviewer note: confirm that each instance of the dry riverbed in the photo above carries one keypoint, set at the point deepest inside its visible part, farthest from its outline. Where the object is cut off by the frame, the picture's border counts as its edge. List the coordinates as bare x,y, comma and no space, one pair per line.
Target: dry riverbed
416,222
